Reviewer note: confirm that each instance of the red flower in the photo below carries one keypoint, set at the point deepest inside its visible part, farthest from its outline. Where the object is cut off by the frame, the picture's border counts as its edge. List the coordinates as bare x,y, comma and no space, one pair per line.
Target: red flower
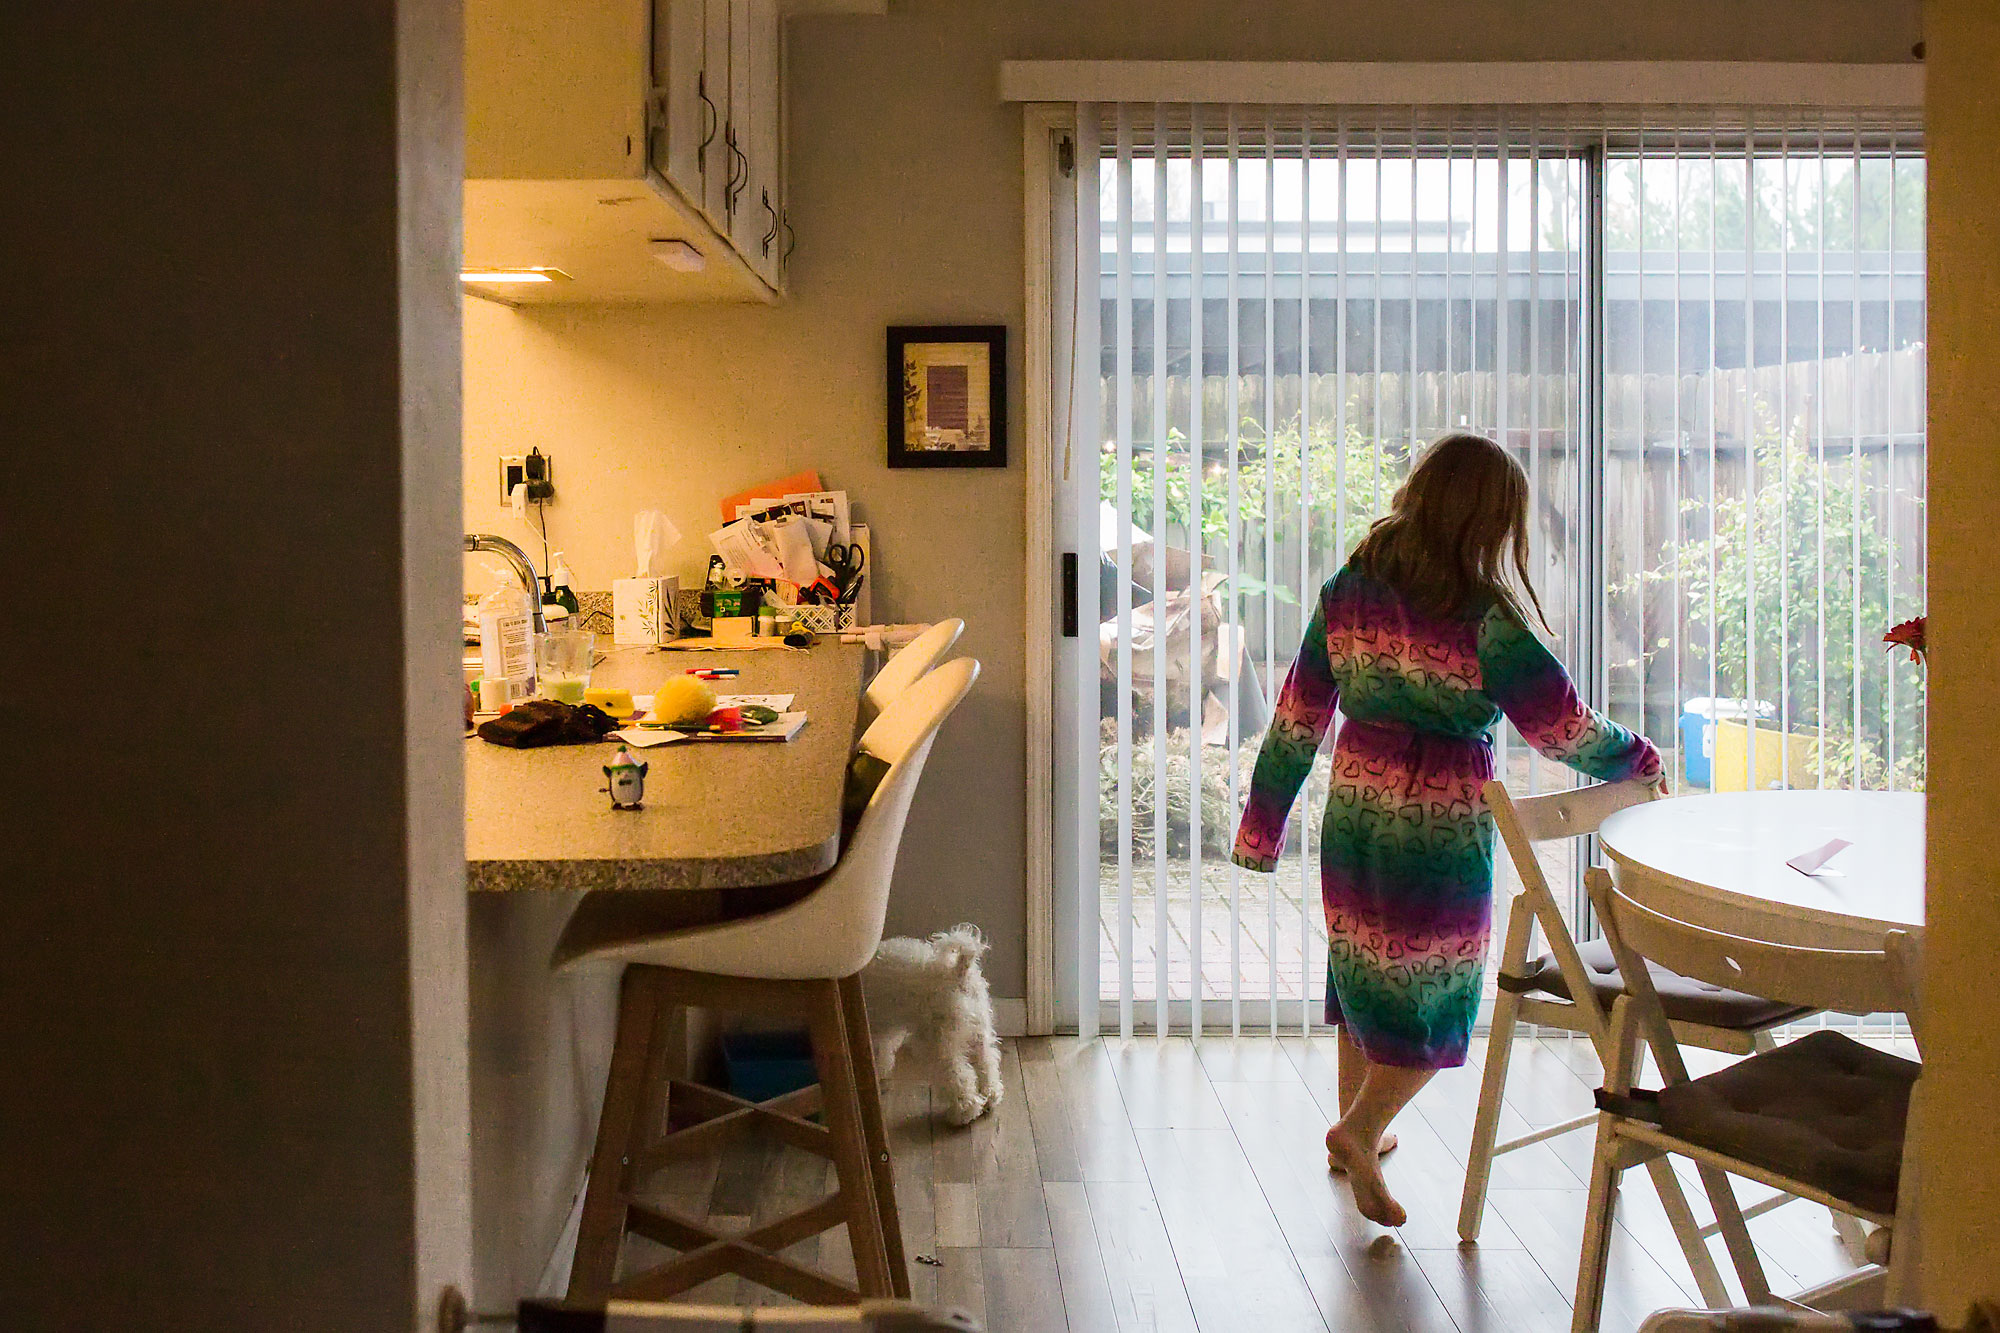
1909,634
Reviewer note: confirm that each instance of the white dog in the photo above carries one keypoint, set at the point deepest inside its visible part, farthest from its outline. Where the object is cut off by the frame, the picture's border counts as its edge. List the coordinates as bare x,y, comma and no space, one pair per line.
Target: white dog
929,998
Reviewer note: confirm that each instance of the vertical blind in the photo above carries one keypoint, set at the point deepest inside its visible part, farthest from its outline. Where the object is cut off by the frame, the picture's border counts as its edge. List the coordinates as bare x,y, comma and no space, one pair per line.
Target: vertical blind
1702,338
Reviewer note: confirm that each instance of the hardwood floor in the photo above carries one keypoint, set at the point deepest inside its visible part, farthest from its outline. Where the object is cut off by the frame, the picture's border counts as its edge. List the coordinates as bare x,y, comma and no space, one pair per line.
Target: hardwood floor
1171,1186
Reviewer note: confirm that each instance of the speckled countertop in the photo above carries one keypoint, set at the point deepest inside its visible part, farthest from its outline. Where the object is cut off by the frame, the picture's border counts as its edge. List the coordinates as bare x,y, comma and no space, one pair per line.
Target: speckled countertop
716,815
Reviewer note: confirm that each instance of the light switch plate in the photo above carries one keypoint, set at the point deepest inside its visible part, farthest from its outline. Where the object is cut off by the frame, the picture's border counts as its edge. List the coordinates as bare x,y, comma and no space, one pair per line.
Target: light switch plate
512,473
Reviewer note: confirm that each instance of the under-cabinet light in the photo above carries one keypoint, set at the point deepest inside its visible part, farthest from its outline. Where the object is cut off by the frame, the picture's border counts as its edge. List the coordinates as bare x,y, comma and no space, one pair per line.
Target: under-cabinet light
512,275
680,256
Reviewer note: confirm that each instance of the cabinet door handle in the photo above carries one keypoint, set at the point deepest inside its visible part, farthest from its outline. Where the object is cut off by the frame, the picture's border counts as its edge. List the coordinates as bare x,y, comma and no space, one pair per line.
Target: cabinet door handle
737,182
710,120
776,223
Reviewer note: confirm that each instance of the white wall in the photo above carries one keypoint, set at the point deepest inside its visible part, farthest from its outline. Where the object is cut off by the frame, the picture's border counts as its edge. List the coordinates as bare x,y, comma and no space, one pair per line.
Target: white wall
906,182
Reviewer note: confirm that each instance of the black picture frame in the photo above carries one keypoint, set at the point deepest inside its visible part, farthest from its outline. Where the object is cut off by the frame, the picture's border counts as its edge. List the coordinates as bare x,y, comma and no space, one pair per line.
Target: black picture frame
903,394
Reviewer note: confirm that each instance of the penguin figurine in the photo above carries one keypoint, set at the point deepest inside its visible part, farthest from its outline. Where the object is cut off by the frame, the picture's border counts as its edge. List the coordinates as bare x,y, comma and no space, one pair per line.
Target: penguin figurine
628,780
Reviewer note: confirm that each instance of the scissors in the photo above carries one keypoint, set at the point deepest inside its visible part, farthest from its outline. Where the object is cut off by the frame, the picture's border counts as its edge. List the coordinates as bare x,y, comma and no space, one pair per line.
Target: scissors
845,561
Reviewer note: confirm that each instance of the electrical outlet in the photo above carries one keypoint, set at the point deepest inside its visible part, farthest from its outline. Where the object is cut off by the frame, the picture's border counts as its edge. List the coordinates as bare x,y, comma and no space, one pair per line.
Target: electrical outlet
535,470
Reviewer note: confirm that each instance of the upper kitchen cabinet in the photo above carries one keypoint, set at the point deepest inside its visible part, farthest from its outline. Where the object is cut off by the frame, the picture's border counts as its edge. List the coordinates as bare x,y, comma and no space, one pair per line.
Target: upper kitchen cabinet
598,132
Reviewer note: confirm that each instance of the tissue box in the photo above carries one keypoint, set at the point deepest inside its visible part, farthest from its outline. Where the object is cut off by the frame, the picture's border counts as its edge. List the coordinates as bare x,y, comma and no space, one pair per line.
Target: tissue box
644,611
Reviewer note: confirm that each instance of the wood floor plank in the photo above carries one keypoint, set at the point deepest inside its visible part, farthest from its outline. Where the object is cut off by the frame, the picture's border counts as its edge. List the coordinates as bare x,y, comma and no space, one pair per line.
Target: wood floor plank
1216,1213
1147,1293
1105,1148
1424,1174
1086,1291
1359,1276
961,1283
1048,1113
1007,1171
1164,1084
1245,1060
1234,1258
1494,1291
906,1112
1550,1225
1024,1292
1450,1109
958,1215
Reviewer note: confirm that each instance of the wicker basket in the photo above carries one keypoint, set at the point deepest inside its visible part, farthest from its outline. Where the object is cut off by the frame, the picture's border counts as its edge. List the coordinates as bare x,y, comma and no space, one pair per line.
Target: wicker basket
812,619
826,619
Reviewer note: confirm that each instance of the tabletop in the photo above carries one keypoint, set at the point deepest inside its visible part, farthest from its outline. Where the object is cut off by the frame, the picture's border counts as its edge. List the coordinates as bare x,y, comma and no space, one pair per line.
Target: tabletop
1729,849
716,814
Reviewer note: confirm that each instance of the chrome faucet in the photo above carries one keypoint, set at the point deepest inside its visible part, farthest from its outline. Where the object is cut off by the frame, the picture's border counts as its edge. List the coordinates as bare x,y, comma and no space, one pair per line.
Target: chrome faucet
524,569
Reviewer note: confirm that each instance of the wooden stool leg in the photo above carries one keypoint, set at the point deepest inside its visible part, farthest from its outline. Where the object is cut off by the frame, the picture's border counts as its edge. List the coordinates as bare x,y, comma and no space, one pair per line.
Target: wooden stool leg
842,1107
868,1086
601,1230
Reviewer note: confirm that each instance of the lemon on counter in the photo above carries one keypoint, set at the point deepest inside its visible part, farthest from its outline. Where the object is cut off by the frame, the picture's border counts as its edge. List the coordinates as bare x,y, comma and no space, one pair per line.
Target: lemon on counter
682,701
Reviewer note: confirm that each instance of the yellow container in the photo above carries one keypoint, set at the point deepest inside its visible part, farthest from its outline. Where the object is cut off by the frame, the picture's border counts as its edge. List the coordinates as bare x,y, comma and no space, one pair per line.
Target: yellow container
1732,757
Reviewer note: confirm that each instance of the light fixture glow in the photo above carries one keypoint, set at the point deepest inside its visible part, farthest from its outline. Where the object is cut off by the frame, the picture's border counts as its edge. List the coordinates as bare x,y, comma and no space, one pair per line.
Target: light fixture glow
681,256
484,276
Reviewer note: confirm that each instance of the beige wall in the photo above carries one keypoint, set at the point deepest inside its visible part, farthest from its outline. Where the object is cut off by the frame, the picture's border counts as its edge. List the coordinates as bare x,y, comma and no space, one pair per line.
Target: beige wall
906,182
1960,1164
232,992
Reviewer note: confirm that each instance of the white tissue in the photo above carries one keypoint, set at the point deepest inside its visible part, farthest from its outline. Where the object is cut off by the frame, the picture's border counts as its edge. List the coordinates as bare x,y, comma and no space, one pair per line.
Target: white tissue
652,534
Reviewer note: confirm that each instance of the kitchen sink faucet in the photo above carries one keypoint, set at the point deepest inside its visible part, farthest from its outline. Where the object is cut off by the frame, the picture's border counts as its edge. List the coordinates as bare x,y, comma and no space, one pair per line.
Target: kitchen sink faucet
524,569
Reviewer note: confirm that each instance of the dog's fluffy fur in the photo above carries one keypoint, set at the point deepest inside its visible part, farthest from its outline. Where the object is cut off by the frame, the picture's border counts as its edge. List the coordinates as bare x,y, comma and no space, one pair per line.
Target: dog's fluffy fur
928,1002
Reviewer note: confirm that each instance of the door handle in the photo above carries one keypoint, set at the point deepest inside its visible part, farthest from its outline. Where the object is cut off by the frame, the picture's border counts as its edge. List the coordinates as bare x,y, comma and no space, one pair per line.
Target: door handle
710,120
1069,594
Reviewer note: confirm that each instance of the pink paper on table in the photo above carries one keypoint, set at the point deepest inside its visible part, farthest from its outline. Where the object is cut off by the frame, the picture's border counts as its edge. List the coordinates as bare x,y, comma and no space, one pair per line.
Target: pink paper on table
1808,863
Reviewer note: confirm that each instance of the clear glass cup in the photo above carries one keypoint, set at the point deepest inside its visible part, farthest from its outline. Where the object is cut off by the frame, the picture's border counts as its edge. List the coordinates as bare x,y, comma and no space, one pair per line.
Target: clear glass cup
562,664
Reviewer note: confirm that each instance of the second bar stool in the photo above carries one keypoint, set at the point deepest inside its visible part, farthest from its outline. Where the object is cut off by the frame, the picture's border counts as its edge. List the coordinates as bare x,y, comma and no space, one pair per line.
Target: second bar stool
803,962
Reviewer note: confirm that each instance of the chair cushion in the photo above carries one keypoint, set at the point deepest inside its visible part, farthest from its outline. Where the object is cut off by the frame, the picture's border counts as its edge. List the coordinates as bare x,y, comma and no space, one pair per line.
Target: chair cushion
1684,999
1824,1110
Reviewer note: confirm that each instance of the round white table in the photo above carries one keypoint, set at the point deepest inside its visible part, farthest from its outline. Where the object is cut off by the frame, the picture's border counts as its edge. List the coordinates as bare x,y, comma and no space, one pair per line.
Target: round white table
1719,861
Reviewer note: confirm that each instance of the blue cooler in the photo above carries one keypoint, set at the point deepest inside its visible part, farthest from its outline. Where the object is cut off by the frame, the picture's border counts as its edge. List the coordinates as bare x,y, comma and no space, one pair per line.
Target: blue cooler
1698,742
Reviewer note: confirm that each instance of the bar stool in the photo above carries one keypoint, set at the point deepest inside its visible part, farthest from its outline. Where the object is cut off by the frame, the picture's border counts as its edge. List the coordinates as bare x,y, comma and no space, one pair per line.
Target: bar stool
907,665
801,961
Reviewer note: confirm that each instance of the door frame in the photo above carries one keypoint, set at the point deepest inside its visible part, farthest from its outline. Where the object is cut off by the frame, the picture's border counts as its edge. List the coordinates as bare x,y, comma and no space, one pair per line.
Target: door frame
1046,429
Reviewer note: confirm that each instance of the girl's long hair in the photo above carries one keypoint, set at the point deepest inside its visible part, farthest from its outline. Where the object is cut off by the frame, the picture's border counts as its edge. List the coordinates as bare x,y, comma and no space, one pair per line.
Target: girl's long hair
1457,521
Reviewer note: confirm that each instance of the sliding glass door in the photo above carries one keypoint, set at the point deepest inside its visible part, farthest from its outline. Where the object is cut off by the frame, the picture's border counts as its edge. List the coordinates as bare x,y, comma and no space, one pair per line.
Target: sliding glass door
1719,405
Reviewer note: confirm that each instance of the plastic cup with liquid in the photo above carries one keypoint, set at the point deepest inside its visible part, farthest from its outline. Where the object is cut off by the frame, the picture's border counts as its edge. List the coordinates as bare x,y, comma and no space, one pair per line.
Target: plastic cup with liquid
562,664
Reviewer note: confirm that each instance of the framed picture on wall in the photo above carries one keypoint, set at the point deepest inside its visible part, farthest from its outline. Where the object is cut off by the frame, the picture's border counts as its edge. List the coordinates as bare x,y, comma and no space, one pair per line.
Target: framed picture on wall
947,389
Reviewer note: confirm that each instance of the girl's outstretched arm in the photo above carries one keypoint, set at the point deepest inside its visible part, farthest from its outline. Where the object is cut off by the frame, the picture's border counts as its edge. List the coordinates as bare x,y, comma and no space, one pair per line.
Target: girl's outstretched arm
1524,678
1299,723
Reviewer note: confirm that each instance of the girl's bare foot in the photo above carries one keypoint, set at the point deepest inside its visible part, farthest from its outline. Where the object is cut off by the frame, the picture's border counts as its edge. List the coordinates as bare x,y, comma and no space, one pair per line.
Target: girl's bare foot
1364,1174
1383,1149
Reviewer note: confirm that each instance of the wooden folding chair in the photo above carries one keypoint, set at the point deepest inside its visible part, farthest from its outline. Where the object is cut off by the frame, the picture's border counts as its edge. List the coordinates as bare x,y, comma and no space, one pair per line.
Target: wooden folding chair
1571,988
1822,1118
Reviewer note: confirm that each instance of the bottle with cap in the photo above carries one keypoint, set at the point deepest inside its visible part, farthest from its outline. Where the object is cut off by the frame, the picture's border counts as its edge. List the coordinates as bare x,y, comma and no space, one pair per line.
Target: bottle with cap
562,586
506,638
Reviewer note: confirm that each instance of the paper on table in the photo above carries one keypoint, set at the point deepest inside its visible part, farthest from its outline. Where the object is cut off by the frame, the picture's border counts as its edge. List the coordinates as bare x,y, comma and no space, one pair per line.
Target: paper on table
1809,863
743,552
828,505
792,541
645,738
777,703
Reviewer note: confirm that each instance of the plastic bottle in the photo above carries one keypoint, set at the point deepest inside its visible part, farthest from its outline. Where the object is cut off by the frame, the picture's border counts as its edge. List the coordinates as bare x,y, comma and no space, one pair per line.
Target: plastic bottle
506,637
562,585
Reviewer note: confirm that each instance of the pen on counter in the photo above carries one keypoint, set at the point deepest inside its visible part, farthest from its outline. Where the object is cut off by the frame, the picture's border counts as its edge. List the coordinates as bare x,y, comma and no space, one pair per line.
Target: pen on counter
715,673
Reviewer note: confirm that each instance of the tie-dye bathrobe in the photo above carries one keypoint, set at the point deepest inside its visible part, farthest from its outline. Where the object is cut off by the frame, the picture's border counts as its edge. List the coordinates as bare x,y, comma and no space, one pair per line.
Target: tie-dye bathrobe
1406,848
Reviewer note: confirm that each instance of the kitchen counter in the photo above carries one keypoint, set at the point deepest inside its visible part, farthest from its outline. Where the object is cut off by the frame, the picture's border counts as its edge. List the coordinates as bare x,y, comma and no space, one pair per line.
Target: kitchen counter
716,814
539,822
